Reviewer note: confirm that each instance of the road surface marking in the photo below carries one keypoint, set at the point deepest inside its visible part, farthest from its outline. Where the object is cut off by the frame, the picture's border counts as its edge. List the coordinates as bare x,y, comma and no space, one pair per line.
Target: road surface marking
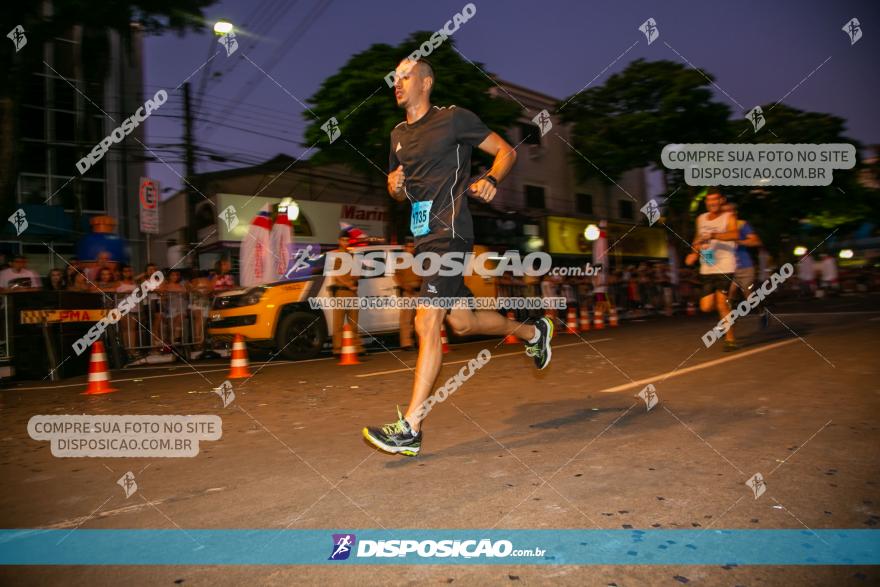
171,366
738,355
515,353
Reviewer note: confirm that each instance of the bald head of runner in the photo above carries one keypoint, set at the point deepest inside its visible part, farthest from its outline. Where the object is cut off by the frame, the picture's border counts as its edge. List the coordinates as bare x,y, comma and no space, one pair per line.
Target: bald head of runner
413,83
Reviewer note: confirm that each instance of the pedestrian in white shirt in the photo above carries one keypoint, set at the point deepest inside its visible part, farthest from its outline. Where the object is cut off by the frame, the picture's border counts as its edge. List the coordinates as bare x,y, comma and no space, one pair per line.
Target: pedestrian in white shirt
18,277
807,275
828,269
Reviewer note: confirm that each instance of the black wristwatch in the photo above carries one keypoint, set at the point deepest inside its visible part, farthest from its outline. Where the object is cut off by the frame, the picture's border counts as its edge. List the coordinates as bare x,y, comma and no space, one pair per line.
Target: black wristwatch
491,179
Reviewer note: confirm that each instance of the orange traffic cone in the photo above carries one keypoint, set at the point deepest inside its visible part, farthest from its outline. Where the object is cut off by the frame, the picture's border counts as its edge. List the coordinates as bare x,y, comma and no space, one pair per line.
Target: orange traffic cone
511,338
571,321
584,319
239,363
99,374
612,317
691,310
443,340
598,320
348,354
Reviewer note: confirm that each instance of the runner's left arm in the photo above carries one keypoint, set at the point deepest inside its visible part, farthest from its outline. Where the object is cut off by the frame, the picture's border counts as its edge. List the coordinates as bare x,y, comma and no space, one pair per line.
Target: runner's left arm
505,157
469,129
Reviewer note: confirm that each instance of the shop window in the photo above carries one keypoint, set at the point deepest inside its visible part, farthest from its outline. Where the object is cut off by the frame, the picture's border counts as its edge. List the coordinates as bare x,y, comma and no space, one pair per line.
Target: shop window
584,203
65,160
535,197
64,125
34,158
33,123
529,134
63,94
62,193
93,195
32,189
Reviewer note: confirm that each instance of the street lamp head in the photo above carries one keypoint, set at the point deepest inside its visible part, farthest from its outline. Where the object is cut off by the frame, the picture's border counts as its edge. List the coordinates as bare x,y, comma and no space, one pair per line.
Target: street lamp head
592,232
221,27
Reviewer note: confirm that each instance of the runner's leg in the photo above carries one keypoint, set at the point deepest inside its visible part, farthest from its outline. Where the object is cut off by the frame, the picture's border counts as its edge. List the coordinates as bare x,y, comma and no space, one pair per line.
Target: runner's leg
724,309
428,322
707,302
466,322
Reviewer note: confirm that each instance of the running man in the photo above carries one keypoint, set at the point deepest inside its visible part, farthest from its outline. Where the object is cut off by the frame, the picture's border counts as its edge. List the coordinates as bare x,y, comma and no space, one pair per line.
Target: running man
715,246
429,165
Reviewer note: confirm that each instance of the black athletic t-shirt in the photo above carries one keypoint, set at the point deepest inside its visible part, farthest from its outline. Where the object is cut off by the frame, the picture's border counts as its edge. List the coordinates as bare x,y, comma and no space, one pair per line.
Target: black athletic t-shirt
435,152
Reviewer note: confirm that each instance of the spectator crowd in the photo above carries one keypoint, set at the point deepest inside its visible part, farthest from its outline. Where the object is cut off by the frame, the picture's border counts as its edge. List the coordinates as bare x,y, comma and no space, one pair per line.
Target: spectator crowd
107,276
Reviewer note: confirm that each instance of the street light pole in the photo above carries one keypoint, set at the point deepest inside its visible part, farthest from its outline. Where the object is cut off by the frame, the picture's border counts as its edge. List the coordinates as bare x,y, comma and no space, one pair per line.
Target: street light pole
221,27
189,155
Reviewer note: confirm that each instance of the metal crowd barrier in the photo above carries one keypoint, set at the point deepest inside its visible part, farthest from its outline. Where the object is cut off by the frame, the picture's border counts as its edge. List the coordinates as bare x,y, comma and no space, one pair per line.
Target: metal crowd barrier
162,321
47,334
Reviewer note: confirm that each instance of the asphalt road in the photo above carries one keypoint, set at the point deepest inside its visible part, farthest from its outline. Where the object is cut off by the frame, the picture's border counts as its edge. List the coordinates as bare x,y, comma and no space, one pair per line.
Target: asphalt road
568,447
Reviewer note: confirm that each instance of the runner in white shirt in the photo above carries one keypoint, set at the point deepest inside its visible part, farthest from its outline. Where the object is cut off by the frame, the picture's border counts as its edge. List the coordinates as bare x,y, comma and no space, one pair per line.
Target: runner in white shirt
715,246
807,275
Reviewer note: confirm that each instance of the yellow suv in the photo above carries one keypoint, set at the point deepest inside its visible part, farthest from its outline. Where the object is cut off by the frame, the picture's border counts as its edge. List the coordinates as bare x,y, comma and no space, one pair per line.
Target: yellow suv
279,315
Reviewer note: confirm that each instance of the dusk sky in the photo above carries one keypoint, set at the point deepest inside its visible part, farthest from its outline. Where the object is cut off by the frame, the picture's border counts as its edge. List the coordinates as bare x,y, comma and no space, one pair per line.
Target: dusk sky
758,51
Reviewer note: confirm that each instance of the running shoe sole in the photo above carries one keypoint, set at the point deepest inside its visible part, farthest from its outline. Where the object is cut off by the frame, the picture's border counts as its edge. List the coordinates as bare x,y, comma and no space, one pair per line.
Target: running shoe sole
548,349
402,450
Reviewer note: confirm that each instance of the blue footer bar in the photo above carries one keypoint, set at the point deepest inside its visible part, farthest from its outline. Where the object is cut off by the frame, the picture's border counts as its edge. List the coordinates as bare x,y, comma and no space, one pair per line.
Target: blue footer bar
470,546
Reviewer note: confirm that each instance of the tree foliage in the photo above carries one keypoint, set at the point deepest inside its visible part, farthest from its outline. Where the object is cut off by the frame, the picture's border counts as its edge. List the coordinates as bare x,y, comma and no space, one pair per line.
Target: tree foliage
625,123
804,213
363,104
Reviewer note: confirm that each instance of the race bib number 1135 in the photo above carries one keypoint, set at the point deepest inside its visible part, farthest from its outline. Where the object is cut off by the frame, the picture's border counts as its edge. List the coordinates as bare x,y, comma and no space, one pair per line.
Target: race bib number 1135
419,221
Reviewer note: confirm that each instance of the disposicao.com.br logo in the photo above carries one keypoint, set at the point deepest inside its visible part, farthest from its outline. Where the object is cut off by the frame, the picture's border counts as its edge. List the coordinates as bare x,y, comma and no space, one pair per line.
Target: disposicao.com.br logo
344,545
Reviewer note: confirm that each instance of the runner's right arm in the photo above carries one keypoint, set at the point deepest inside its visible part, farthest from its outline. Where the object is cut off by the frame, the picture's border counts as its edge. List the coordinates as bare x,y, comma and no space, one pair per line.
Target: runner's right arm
692,257
396,176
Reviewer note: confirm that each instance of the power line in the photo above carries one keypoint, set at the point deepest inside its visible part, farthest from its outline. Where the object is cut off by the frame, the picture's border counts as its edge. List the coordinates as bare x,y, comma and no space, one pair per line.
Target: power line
270,19
271,116
205,73
247,130
272,122
288,138
177,100
268,127
256,157
295,36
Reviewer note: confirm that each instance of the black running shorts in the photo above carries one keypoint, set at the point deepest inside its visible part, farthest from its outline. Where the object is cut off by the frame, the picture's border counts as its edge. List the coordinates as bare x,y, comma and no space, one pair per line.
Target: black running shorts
713,282
445,286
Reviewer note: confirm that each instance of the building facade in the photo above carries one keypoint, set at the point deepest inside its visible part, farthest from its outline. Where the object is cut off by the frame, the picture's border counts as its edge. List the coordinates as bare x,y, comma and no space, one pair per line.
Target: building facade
544,188
68,102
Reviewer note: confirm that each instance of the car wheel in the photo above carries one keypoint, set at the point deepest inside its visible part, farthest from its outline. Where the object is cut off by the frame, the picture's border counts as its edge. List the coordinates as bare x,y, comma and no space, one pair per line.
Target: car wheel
300,335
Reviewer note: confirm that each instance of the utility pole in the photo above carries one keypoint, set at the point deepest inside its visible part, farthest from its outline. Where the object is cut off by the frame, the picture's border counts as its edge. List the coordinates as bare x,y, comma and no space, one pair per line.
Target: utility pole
191,232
